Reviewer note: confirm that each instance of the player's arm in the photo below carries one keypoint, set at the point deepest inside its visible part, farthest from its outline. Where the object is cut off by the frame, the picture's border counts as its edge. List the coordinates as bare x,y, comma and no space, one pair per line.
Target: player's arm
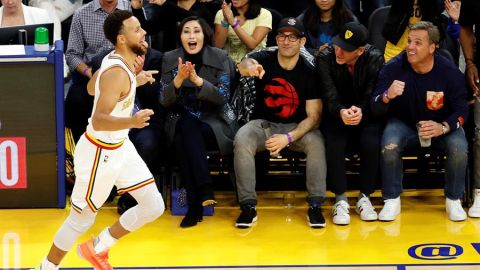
114,83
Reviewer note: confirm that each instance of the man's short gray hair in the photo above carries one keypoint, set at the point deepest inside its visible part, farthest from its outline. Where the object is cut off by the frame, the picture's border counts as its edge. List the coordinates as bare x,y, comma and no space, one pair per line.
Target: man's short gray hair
432,30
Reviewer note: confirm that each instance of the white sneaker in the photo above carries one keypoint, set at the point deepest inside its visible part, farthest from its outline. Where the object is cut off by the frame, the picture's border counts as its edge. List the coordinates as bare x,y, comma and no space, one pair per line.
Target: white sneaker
474,210
340,213
390,210
366,210
455,210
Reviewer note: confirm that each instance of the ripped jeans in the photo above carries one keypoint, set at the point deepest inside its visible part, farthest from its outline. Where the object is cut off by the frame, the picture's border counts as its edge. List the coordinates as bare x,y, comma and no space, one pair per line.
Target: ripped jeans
397,136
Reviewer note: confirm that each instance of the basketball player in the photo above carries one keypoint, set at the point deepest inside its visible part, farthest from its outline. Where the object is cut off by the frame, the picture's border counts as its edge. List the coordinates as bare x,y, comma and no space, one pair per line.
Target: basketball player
288,106
105,156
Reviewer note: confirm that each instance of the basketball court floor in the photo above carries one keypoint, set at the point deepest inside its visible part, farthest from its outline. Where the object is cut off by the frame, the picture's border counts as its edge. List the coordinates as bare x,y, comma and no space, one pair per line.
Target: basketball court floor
421,239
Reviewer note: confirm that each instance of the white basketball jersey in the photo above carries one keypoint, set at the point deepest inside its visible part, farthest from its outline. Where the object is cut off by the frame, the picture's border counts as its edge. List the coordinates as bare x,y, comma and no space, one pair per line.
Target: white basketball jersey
124,106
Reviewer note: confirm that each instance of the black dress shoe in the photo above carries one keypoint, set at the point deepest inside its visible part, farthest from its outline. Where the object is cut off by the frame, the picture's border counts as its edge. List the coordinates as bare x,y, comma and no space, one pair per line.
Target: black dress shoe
193,216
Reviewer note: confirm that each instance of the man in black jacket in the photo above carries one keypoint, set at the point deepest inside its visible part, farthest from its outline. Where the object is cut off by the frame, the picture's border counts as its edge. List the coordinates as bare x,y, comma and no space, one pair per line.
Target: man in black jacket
348,73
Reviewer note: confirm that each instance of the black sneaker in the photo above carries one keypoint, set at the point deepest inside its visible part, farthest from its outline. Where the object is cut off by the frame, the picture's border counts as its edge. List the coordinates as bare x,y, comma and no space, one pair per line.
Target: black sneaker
247,217
315,217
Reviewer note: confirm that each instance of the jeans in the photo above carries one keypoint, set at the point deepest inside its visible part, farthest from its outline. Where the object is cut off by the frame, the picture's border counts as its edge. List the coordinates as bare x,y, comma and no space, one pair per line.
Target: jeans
250,139
397,136
148,141
476,145
364,140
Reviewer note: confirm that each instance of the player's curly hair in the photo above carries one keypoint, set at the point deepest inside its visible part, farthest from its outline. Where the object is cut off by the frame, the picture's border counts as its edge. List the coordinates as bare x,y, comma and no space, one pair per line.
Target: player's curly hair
113,24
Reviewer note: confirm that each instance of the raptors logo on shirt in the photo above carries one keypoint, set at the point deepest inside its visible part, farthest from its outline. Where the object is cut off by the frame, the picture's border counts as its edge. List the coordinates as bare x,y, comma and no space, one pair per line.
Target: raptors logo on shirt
281,97
434,100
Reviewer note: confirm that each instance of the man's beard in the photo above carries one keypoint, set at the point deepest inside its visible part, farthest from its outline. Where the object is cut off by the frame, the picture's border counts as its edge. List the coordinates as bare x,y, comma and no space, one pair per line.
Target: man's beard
138,49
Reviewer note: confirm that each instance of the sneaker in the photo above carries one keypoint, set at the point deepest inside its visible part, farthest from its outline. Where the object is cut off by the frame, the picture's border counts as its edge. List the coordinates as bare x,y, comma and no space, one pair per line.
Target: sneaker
366,210
455,210
341,214
474,211
390,210
99,261
315,217
247,217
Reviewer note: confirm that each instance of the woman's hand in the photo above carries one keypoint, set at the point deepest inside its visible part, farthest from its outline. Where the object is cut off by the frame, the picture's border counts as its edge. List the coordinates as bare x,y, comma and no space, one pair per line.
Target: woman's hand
183,73
228,13
194,78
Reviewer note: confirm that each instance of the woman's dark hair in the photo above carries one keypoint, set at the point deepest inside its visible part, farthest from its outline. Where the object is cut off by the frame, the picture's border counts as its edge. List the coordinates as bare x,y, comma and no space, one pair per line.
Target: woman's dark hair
206,29
340,15
253,9
113,24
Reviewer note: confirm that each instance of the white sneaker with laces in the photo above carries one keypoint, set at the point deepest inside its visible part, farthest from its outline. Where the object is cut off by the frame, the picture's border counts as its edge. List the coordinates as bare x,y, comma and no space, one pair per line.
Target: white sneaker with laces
474,210
455,210
390,210
341,214
366,210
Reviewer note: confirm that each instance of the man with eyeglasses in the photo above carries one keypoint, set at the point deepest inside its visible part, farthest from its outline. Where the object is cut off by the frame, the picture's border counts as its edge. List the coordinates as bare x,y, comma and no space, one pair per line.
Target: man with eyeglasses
348,72
287,105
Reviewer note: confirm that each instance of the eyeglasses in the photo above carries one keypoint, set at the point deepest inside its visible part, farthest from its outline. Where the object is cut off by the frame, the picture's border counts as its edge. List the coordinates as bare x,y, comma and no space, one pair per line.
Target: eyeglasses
291,38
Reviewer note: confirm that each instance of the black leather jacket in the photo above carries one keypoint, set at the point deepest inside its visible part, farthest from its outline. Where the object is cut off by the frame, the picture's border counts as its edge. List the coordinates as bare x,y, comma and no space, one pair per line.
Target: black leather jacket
401,11
340,90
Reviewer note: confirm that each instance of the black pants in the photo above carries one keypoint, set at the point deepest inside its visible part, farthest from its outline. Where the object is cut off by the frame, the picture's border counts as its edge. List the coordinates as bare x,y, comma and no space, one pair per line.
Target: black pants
192,140
148,141
363,139
78,106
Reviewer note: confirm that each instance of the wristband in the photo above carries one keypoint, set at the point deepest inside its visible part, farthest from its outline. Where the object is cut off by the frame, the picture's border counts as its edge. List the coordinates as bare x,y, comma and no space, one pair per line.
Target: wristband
85,70
224,24
237,22
385,94
289,138
469,60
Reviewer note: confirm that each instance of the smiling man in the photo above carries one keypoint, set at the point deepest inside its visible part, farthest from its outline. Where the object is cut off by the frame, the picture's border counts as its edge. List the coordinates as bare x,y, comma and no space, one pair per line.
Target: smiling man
421,89
348,72
287,103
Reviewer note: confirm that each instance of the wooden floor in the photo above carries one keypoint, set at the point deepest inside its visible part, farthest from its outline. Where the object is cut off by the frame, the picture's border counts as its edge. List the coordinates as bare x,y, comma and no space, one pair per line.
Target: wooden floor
421,239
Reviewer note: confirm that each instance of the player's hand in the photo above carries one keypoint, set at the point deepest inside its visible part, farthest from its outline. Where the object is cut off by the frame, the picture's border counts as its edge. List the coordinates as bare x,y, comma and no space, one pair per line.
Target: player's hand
141,118
146,76
396,89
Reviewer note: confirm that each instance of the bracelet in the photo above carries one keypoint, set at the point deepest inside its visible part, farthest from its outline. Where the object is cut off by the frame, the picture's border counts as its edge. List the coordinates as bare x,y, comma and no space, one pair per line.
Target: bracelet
224,24
237,22
289,138
85,70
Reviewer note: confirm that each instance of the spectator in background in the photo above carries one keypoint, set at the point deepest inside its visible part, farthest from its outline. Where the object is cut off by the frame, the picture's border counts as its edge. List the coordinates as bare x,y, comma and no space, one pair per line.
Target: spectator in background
288,103
86,39
363,8
405,13
196,90
165,15
242,26
469,18
421,90
323,19
348,73
286,8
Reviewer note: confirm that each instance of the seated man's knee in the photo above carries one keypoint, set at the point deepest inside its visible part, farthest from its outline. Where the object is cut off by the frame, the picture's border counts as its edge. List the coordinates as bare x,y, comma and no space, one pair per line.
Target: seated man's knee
245,139
390,152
